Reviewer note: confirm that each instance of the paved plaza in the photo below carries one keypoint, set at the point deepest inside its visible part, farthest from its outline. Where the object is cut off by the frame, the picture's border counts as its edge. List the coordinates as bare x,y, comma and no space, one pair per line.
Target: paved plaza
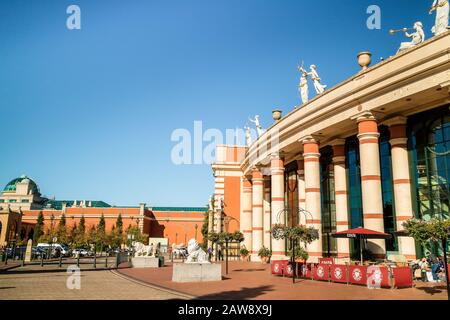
245,281
49,283
248,280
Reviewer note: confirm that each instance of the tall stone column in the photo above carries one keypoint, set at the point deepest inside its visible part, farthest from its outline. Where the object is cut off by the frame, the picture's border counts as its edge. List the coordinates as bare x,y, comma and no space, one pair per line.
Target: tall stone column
341,196
246,213
402,183
311,158
267,212
257,218
372,198
277,205
210,224
301,188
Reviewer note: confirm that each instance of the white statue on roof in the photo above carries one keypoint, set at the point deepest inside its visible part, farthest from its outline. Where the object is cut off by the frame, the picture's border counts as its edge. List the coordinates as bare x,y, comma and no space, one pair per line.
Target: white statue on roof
320,88
248,136
259,128
417,37
442,8
303,85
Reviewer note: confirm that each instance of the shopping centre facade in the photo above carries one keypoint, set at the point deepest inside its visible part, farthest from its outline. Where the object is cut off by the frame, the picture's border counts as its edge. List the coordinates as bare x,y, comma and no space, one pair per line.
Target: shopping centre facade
372,151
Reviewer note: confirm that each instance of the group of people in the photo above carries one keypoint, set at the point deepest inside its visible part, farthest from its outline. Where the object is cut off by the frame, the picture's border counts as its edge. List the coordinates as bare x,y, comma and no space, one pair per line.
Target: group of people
432,268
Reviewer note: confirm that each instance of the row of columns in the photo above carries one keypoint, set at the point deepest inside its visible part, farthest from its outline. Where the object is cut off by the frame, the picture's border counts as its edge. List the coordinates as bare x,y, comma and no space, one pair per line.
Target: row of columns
262,204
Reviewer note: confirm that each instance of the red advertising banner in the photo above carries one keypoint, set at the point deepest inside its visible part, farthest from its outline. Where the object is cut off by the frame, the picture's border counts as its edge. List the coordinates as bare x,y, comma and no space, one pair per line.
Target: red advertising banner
326,261
321,272
305,270
378,276
358,274
289,268
402,277
277,267
338,273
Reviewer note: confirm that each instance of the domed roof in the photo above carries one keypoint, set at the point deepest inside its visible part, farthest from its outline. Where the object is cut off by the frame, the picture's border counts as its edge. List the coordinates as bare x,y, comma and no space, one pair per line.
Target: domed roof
11,186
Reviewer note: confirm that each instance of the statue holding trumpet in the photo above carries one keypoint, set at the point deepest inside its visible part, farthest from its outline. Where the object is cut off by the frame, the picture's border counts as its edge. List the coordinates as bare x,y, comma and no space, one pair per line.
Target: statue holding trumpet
303,85
417,37
442,8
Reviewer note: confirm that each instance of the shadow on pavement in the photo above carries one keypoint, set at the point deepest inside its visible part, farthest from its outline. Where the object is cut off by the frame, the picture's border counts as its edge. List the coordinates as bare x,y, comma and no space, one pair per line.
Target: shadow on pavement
242,294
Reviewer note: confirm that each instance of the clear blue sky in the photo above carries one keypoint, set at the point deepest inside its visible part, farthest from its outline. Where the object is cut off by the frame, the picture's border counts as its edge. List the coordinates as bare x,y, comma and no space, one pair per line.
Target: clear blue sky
89,113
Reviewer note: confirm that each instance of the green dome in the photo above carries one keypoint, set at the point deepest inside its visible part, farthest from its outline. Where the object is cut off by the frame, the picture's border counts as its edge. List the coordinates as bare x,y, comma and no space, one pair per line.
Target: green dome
11,186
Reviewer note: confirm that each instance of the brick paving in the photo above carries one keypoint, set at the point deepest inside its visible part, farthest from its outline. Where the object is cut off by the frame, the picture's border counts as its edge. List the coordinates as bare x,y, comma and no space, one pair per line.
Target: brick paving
248,280
49,283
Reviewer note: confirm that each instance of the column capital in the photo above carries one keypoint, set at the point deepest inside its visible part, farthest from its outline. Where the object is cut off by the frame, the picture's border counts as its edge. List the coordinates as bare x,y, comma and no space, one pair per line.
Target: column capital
309,139
257,174
337,142
277,155
395,121
366,116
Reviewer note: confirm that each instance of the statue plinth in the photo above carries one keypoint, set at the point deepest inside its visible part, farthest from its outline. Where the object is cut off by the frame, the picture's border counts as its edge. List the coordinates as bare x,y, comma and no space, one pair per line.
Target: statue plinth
145,262
196,272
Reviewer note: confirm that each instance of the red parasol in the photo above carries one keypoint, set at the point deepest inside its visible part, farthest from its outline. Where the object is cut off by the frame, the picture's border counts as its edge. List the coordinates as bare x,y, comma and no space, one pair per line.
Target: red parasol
361,233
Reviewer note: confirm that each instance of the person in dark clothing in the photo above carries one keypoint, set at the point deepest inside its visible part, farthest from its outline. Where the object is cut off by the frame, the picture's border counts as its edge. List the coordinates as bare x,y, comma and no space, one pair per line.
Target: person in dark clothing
435,266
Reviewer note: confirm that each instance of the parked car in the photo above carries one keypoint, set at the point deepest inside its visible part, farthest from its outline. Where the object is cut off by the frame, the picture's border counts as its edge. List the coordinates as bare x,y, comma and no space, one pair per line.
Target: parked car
56,248
81,252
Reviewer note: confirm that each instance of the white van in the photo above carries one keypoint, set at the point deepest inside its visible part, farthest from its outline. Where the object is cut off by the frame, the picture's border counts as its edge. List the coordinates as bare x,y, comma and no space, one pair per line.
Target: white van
65,251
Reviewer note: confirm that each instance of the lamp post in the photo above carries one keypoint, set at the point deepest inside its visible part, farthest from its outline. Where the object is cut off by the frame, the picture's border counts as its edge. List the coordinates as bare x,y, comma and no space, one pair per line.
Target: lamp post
196,227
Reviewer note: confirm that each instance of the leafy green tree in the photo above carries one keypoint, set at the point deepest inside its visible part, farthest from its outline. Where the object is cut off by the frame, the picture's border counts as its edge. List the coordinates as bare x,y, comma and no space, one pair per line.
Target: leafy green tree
39,228
101,224
61,231
119,223
101,233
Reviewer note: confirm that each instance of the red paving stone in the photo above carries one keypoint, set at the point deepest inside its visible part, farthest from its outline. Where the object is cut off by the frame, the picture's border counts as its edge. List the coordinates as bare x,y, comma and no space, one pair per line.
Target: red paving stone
248,280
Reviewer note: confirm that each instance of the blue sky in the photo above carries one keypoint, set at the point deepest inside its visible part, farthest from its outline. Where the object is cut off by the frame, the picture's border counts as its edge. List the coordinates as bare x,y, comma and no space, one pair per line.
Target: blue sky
89,113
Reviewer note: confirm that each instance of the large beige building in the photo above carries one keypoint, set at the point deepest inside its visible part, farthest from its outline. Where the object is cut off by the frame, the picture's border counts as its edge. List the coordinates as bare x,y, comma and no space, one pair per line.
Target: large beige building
373,151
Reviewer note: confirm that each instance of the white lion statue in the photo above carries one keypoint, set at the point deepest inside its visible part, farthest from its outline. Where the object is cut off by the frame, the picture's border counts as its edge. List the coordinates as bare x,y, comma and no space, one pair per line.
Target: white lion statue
196,254
141,249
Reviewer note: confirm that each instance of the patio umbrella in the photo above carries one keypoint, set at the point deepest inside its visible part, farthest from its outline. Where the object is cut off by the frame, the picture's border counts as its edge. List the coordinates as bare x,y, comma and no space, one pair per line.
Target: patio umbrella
361,233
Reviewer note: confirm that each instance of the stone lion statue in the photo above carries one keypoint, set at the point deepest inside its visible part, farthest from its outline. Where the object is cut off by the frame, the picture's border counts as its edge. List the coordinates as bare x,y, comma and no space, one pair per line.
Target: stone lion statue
141,249
195,253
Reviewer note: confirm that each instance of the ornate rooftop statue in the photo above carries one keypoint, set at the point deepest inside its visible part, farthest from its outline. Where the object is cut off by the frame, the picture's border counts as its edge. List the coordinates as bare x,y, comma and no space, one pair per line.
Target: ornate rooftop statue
259,128
196,254
248,136
417,37
442,8
303,85
320,88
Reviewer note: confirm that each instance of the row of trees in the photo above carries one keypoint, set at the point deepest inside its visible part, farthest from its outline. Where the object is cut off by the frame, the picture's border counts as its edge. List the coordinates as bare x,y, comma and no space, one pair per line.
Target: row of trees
79,235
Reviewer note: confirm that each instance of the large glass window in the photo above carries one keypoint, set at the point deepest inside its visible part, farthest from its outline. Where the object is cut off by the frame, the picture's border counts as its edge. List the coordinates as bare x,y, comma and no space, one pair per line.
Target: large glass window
386,187
327,195
354,183
429,146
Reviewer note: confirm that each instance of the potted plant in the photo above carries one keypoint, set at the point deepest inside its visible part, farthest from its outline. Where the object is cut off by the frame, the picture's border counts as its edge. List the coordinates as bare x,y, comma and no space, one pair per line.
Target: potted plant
300,254
265,254
244,254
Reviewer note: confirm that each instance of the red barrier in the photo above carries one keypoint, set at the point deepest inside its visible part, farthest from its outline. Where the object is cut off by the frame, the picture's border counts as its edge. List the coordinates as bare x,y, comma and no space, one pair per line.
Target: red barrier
402,277
378,276
289,268
338,273
321,272
326,261
277,267
357,274
304,270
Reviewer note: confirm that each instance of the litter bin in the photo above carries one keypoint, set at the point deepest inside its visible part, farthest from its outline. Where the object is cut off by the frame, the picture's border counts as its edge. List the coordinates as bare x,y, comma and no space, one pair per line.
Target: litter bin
161,261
